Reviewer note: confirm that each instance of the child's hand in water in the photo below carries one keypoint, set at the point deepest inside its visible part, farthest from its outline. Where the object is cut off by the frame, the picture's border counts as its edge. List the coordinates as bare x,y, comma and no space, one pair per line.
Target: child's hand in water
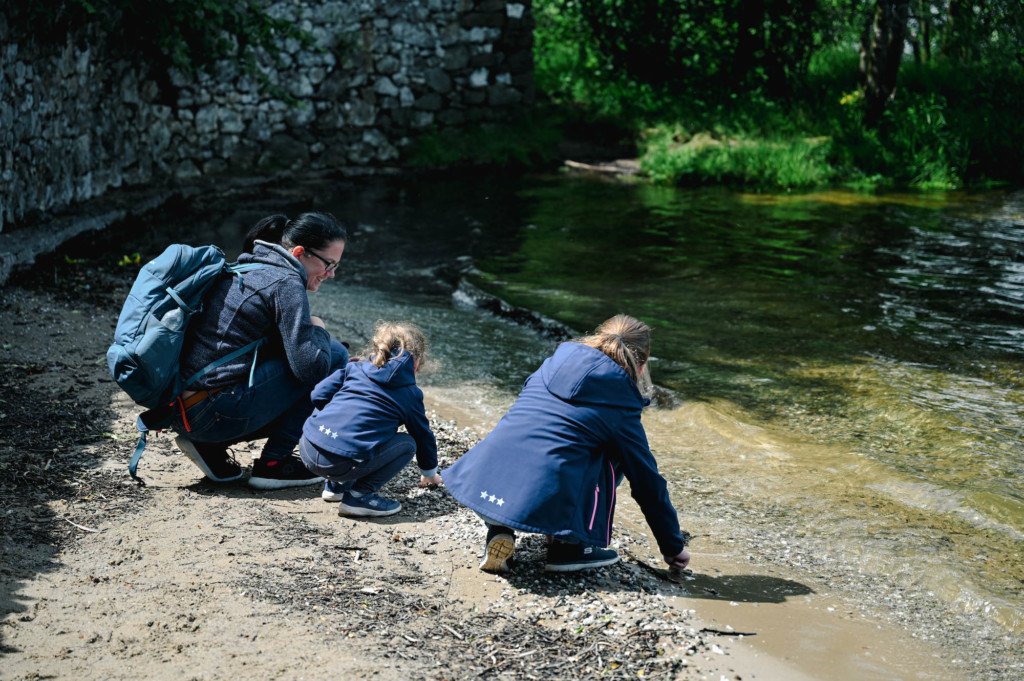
678,562
433,481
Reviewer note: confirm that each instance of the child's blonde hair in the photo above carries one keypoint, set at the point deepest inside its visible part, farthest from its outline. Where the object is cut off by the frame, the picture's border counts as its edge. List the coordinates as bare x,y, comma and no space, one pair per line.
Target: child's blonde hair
626,340
390,339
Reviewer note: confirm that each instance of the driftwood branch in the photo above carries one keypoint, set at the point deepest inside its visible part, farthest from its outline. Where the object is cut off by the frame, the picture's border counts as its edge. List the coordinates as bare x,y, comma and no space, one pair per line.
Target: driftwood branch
81,527
720,632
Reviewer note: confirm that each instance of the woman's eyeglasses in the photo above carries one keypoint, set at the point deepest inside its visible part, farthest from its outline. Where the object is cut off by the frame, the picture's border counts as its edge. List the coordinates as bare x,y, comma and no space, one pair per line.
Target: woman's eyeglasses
328,265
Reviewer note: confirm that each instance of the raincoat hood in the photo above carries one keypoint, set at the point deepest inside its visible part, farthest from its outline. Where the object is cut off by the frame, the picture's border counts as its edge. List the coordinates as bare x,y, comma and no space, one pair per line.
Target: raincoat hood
397,372
582,374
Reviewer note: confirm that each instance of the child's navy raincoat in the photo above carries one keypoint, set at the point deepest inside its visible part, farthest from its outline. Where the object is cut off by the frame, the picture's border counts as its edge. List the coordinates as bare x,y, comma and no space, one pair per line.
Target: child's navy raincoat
359,407
551,463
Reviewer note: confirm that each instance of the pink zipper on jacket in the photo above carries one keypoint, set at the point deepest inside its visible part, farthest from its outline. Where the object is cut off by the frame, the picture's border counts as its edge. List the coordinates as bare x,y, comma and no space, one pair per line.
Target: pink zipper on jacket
611,505
593,514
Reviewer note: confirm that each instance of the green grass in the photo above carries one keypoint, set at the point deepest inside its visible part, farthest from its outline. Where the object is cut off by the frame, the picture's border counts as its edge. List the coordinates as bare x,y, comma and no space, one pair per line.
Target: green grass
757,163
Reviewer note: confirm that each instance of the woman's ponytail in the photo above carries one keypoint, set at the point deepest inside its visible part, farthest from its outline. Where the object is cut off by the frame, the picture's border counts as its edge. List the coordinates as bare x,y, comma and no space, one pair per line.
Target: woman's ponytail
269,229
310,230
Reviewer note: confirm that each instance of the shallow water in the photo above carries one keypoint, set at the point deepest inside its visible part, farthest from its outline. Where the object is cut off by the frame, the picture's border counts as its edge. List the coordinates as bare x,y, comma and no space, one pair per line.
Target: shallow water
853,360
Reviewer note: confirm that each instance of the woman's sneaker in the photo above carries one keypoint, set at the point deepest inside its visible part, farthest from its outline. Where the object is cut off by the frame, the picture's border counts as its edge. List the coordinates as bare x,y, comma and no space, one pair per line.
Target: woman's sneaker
335,491
498,553
211,458
281,473
367,505
563,557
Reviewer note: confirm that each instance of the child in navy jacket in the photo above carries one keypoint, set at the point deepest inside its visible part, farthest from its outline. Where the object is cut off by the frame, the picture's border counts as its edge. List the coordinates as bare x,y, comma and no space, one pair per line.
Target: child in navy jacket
553,462
352,440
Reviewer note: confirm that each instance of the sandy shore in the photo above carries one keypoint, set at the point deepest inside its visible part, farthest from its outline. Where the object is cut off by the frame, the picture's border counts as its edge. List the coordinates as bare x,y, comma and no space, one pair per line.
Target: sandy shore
186,579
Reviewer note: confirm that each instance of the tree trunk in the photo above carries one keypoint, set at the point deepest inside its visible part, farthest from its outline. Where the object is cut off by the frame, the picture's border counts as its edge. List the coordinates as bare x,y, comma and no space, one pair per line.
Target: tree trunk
880,56
926,30
958,26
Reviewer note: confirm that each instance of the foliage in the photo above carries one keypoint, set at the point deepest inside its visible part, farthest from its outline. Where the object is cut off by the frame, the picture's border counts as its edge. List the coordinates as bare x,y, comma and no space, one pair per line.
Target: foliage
796,116
712,44
948,127
186,34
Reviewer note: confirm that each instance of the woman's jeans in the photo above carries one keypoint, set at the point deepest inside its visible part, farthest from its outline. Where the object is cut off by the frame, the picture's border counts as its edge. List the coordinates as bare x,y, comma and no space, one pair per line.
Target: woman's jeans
367,473
275,407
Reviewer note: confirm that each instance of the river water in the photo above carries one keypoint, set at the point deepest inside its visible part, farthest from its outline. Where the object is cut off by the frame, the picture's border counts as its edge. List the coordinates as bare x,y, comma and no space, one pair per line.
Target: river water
851,362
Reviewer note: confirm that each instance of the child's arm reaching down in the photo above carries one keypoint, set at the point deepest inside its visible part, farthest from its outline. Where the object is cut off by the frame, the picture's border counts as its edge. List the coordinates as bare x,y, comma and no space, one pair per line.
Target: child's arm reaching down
433,481
418,425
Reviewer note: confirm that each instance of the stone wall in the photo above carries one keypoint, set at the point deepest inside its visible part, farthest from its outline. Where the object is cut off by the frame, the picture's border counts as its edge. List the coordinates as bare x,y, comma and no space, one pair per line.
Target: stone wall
75,122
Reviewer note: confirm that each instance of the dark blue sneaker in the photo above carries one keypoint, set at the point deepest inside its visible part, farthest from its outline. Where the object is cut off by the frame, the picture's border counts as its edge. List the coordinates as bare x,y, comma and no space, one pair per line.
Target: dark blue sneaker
367,505
335,491
281,473
563,557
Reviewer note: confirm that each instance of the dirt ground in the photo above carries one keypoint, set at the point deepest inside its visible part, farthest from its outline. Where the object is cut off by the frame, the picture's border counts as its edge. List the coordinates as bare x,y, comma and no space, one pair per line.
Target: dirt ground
102,578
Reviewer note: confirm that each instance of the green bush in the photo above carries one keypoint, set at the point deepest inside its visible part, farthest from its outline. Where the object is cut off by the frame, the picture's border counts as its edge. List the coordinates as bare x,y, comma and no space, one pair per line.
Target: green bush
947,127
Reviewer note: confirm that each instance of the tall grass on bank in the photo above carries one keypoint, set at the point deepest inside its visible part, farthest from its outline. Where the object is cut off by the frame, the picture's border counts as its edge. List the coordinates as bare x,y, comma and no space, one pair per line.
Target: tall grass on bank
758,163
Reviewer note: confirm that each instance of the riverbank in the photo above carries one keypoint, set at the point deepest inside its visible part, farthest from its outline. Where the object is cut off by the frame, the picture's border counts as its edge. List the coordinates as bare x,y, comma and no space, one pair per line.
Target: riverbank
184,579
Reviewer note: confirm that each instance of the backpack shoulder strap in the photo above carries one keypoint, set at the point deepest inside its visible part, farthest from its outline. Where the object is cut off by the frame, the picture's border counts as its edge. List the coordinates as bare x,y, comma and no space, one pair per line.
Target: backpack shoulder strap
236,268
227,358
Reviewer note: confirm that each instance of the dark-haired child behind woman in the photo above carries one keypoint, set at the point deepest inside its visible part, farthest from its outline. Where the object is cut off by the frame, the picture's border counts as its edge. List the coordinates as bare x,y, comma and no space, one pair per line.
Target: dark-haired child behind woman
352,438
261,394
553,462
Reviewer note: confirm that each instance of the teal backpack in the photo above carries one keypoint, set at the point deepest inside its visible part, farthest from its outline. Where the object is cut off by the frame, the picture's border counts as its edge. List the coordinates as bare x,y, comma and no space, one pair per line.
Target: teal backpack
150,332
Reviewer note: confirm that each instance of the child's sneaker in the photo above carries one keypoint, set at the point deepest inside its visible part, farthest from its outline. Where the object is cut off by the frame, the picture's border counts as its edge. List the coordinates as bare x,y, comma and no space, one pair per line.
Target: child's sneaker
281,473
211,458
335,491
498,554
367,505
563,557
